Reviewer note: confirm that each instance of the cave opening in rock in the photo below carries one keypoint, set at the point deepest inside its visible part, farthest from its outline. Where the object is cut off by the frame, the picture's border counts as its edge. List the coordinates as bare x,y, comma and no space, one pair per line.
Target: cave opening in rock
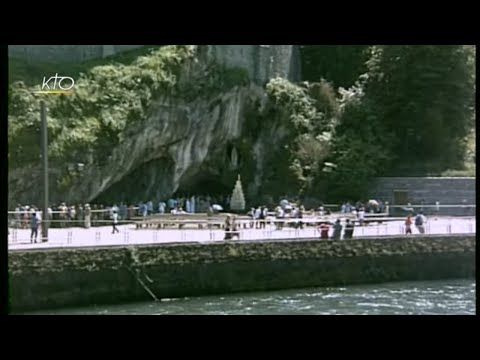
151,180
208,185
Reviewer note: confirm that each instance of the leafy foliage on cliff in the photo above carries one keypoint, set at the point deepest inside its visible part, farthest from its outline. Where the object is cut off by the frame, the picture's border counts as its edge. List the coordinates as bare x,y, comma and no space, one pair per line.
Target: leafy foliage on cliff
309,111
107,100
212,80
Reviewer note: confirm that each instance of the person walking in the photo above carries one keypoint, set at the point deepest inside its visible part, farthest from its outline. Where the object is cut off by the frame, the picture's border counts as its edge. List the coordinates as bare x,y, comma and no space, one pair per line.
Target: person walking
231,228
34,222
337,230
408,225
349,227
115,222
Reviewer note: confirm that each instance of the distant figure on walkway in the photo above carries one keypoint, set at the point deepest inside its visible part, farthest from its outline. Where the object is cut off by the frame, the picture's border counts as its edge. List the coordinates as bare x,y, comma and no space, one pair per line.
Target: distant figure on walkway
149,207
324,228
465,207
192,204
161,207
34,222
420,221
231,228
408,225
361,215
437,208
349,227
337,230
87,212
115,222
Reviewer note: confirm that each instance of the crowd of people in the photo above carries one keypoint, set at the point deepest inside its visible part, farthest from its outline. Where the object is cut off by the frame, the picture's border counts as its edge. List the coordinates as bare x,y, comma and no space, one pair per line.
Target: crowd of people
84,215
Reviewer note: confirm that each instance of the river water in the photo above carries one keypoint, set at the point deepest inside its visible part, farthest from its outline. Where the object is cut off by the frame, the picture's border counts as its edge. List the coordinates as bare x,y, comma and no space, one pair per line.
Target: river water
446,297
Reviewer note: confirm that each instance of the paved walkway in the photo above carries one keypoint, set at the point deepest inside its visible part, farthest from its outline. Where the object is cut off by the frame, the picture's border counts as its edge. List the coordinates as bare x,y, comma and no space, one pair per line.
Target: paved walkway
102,236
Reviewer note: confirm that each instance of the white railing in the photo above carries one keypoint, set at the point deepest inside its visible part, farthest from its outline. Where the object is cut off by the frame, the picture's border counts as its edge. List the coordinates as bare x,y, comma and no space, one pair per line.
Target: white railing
102,235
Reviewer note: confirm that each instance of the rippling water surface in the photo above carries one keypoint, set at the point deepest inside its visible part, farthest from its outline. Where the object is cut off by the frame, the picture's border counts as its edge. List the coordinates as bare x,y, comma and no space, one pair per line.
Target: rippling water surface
403,298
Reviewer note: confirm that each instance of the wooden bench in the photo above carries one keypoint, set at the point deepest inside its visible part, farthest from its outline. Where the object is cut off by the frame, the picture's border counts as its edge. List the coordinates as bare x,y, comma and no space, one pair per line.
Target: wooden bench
199,220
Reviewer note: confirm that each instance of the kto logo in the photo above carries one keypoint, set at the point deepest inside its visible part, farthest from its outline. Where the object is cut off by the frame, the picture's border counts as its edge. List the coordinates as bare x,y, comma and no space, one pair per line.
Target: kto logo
60,85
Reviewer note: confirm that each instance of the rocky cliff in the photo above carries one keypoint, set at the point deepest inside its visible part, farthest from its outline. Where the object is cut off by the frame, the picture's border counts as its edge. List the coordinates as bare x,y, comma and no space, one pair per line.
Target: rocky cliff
185,143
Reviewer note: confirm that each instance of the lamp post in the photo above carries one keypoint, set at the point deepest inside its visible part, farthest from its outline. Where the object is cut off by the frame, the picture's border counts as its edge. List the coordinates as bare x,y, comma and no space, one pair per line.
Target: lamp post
44,131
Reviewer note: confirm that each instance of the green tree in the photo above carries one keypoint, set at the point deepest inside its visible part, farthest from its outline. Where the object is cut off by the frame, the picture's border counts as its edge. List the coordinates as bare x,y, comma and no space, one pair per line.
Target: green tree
340,64
307,111
424,94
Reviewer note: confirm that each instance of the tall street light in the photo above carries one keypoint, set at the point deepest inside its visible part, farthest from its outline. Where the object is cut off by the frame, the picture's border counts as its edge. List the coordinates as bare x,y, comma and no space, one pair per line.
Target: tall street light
43,116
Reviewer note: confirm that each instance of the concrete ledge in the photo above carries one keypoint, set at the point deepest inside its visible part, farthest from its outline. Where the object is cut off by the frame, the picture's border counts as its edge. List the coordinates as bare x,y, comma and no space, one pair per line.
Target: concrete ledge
53,278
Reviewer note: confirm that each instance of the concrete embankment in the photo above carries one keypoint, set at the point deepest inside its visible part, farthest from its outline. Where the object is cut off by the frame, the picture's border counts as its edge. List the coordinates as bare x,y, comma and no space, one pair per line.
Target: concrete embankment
52,278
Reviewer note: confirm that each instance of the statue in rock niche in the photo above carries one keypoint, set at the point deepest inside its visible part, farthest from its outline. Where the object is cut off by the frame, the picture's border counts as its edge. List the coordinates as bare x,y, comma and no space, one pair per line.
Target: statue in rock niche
234,159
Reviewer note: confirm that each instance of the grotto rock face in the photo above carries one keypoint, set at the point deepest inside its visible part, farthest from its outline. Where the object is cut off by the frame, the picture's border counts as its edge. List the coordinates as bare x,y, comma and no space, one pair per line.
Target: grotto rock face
181,142
174,143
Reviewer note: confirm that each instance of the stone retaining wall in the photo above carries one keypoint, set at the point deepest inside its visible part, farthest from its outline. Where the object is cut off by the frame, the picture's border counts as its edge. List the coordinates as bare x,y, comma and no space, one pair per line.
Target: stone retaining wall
42,279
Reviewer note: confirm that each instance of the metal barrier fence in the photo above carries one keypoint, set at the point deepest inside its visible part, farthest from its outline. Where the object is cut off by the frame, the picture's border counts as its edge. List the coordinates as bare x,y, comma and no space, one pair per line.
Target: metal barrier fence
128,234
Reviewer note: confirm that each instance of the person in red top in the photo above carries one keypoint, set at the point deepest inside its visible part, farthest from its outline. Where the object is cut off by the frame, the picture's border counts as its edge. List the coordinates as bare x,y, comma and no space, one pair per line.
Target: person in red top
324,228
408,225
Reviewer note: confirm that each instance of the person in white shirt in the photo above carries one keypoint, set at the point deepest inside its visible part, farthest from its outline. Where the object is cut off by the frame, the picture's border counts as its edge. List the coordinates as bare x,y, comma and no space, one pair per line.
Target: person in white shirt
420,221
361,215
115,222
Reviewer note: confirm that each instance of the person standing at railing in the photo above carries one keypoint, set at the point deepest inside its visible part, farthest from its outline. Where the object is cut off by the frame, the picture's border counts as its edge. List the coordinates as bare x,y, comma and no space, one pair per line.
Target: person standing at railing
150,207
420,221
300,213
349,227
231,229
144,210
25,218
263,217
280,215
34,222
193,204
94,215
465,207
63,214
348,208
324,228
408,225
18,216
131,212
381,206
361,215
337,230
161,207
87,213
